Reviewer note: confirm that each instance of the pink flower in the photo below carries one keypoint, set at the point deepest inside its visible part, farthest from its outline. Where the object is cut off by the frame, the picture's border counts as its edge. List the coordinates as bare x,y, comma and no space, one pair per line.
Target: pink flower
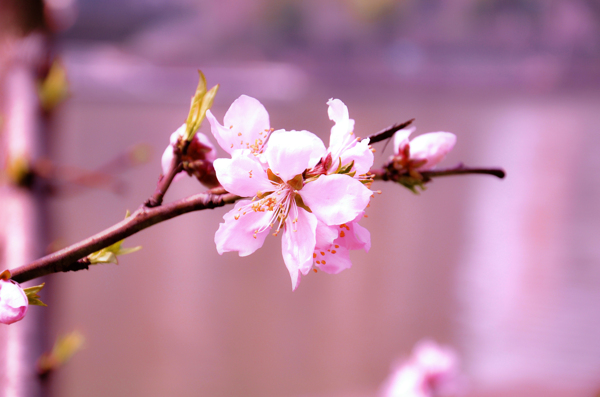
283,196
355,158
344,147
422,153
198,158
431,371
13,302
246,126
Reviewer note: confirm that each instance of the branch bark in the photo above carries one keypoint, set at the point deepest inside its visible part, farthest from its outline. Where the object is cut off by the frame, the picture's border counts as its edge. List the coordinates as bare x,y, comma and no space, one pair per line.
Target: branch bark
67,259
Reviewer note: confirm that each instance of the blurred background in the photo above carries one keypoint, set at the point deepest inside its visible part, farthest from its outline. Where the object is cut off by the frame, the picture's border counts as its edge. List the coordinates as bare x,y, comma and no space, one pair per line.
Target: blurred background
507,272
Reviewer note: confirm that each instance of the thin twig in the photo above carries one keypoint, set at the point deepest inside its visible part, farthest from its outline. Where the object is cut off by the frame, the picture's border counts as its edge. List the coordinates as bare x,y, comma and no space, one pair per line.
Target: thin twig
385,174
388,132
67,258
461,170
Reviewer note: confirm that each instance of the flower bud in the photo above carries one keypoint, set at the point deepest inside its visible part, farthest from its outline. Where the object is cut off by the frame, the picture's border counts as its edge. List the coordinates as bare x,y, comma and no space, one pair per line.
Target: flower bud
423,152
197,160
13,302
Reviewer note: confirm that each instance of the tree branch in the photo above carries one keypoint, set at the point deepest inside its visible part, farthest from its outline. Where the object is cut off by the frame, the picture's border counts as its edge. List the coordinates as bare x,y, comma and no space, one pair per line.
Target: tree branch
67,258
386,174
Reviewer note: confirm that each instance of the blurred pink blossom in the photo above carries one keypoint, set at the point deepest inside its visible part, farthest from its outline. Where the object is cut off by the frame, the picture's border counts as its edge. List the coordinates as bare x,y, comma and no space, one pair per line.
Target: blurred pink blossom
13,302
423,152
431,371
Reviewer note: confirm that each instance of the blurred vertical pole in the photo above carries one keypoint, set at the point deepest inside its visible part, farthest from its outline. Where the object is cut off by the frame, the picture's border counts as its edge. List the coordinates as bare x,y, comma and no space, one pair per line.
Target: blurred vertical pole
23,49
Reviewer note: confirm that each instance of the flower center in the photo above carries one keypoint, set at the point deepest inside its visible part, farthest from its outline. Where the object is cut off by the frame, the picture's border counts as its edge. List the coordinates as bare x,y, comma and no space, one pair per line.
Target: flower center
282,202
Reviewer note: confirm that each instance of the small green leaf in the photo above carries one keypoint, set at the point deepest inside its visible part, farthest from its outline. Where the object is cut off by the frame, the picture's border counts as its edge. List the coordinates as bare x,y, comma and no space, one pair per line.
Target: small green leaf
109,254
32,295
201,102
64,348
55,87
346,168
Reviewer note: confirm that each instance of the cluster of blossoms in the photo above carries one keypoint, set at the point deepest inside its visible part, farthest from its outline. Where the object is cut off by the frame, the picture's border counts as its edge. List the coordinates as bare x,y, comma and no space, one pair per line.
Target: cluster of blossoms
431,371
313,195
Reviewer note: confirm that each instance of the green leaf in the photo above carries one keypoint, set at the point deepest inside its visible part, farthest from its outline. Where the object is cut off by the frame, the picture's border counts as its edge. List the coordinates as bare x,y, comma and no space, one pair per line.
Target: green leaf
109,254
32,295
346,168
201,102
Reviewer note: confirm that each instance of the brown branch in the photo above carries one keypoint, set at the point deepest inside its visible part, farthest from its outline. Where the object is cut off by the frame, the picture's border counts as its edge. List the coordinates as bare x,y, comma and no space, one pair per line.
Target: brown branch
388,132
461,170
386,174
164,182
67,258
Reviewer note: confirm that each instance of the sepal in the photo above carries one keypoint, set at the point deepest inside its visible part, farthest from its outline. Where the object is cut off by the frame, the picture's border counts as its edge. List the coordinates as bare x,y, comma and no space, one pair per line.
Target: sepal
32,295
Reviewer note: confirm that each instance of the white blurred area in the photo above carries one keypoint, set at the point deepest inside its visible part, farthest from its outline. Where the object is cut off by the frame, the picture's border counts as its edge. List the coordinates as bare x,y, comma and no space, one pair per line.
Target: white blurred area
507,272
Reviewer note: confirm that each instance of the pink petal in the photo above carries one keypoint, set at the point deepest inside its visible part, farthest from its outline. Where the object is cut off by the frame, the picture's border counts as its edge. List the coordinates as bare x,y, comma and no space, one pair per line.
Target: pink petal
168,155
239,234
354,236
433,147
13,302
336,199
289,153
401,139
360,238
298,244
344,125
325,235
245,122
242,175
333,260
362,156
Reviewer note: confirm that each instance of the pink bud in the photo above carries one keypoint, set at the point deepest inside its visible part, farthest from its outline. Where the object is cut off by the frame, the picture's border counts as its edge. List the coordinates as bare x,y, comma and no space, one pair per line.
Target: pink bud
423,152
198,158
13,302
